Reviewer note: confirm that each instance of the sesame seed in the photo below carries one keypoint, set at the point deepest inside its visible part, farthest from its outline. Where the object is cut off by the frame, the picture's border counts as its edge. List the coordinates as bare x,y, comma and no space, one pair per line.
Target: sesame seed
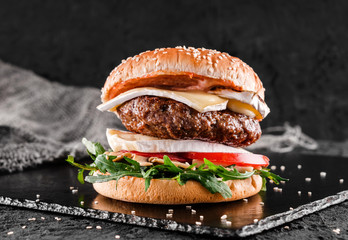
37,195
223,217
245,200
23,227
117,236
89,227
299,166
309,194
256,220
198,223
282,168
188,207
133,212
193,211
98,227
337,231
308,179
31,219
96,202
299,193
273,167
262,203
169,215
341,180
322,174
10,233
74,191
201,218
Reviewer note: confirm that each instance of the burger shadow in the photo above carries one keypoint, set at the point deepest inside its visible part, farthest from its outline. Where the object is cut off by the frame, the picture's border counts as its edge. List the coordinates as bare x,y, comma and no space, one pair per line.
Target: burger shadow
238,213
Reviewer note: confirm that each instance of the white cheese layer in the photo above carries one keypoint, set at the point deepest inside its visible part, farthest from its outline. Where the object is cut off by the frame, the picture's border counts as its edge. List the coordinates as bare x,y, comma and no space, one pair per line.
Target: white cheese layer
200,101
122,140
241,102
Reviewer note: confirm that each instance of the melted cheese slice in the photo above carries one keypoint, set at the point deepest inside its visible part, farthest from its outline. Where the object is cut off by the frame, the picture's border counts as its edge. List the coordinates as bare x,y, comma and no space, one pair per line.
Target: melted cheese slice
122,140
245,103
200,101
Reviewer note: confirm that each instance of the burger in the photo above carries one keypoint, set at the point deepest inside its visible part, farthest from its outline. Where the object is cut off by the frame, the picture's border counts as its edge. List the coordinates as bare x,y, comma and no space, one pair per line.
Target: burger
189,113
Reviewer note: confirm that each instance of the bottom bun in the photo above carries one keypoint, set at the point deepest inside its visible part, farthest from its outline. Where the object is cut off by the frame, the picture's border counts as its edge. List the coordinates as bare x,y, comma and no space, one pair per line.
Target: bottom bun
132,189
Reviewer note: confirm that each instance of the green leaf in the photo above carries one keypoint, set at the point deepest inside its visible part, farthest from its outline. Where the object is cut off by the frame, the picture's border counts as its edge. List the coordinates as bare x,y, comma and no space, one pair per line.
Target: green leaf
264,187
147,183
265,173
171,166
104,164
106,178
134,163
70,160
191,166
227,174
80,176
208,180
93,148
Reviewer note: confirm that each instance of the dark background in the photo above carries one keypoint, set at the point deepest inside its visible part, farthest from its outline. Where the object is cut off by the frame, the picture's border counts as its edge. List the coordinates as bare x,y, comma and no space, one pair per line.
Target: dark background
298,48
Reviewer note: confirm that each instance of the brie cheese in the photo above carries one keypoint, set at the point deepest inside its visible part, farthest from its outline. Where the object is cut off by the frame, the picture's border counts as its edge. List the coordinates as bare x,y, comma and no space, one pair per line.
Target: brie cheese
122,140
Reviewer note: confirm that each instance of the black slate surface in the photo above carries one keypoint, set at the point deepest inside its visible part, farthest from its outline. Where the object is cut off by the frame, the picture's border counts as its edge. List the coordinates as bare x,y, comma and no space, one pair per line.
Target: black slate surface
56,196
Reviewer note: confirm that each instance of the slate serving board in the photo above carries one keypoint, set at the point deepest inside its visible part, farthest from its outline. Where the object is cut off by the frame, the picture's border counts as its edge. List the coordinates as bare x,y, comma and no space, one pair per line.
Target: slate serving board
53,182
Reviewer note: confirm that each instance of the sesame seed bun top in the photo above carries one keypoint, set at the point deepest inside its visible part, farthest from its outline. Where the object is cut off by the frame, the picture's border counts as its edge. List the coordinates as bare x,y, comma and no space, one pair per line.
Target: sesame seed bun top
182,68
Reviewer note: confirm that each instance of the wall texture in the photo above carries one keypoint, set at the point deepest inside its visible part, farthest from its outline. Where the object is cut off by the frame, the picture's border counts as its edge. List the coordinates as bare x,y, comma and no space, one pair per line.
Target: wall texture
298,48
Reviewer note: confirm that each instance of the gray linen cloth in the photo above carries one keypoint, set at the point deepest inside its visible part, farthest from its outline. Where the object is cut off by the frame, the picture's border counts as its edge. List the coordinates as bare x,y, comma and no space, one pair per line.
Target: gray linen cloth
42,121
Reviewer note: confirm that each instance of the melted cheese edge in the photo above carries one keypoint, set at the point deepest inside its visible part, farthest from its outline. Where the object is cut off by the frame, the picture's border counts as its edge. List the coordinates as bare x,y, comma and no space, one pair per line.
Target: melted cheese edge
198,100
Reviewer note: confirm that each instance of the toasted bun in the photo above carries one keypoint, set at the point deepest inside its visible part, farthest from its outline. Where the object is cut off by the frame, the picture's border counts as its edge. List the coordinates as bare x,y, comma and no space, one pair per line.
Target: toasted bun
132,189
182,68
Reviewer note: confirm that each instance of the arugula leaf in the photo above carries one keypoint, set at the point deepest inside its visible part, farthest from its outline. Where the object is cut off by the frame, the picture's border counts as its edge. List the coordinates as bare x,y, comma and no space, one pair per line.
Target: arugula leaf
114,176
80,176
93,149
170,165
265,173
226,174
208,180
134,163
70,160
104,164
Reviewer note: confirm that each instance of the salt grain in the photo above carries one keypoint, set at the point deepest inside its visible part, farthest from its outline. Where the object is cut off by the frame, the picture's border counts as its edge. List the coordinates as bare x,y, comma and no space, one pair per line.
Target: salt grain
117,236
10,233
57,218
82,202
193,211
188,207
24,227
37,195
169,215
96,202
282,168
133,212
42,218
308,179
89,227
341,180
170,210
201,218
309,194
98,227
245,200
74,191
228,223
37,200
299,166
299,193
273,167
198,223
291,209
286,227
337,231
322,174
256,220
71,188
223,217
262,203
31,219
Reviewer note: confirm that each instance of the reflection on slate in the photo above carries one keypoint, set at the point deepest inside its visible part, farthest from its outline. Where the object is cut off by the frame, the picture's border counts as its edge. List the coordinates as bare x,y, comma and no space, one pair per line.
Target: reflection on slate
245,217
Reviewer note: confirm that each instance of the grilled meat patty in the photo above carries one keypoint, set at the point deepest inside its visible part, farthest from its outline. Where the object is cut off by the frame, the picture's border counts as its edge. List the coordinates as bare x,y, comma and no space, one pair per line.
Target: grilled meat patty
167,118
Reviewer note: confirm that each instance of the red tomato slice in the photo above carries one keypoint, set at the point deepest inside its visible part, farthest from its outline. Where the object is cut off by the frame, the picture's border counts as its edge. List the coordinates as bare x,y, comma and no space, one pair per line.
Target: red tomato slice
226,159
239,159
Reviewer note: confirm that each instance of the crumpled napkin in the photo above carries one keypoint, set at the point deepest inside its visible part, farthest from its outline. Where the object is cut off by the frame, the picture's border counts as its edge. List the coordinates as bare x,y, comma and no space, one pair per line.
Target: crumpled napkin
42,121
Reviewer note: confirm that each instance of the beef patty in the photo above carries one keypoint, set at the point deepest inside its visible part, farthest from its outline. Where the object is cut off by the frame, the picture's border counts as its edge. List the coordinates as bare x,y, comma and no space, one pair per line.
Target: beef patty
167,118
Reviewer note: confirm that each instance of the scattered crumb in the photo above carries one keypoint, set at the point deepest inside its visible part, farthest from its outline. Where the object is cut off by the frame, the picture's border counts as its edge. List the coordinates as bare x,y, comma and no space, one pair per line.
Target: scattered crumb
262,203
223,217
37,200
299,166
24,227
198,223
341,180
89,227
98,227
117,236
291,208
286,227
193,211
188,207
337,231
322,174
245,200
71,188
228,223
82,202
42,218
273,167
308,179
299,193
282,168
170,210
133,212
169,215
31,219
57,218
10,233
256,220
309,194
74,191
96,202
37,195
201,218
